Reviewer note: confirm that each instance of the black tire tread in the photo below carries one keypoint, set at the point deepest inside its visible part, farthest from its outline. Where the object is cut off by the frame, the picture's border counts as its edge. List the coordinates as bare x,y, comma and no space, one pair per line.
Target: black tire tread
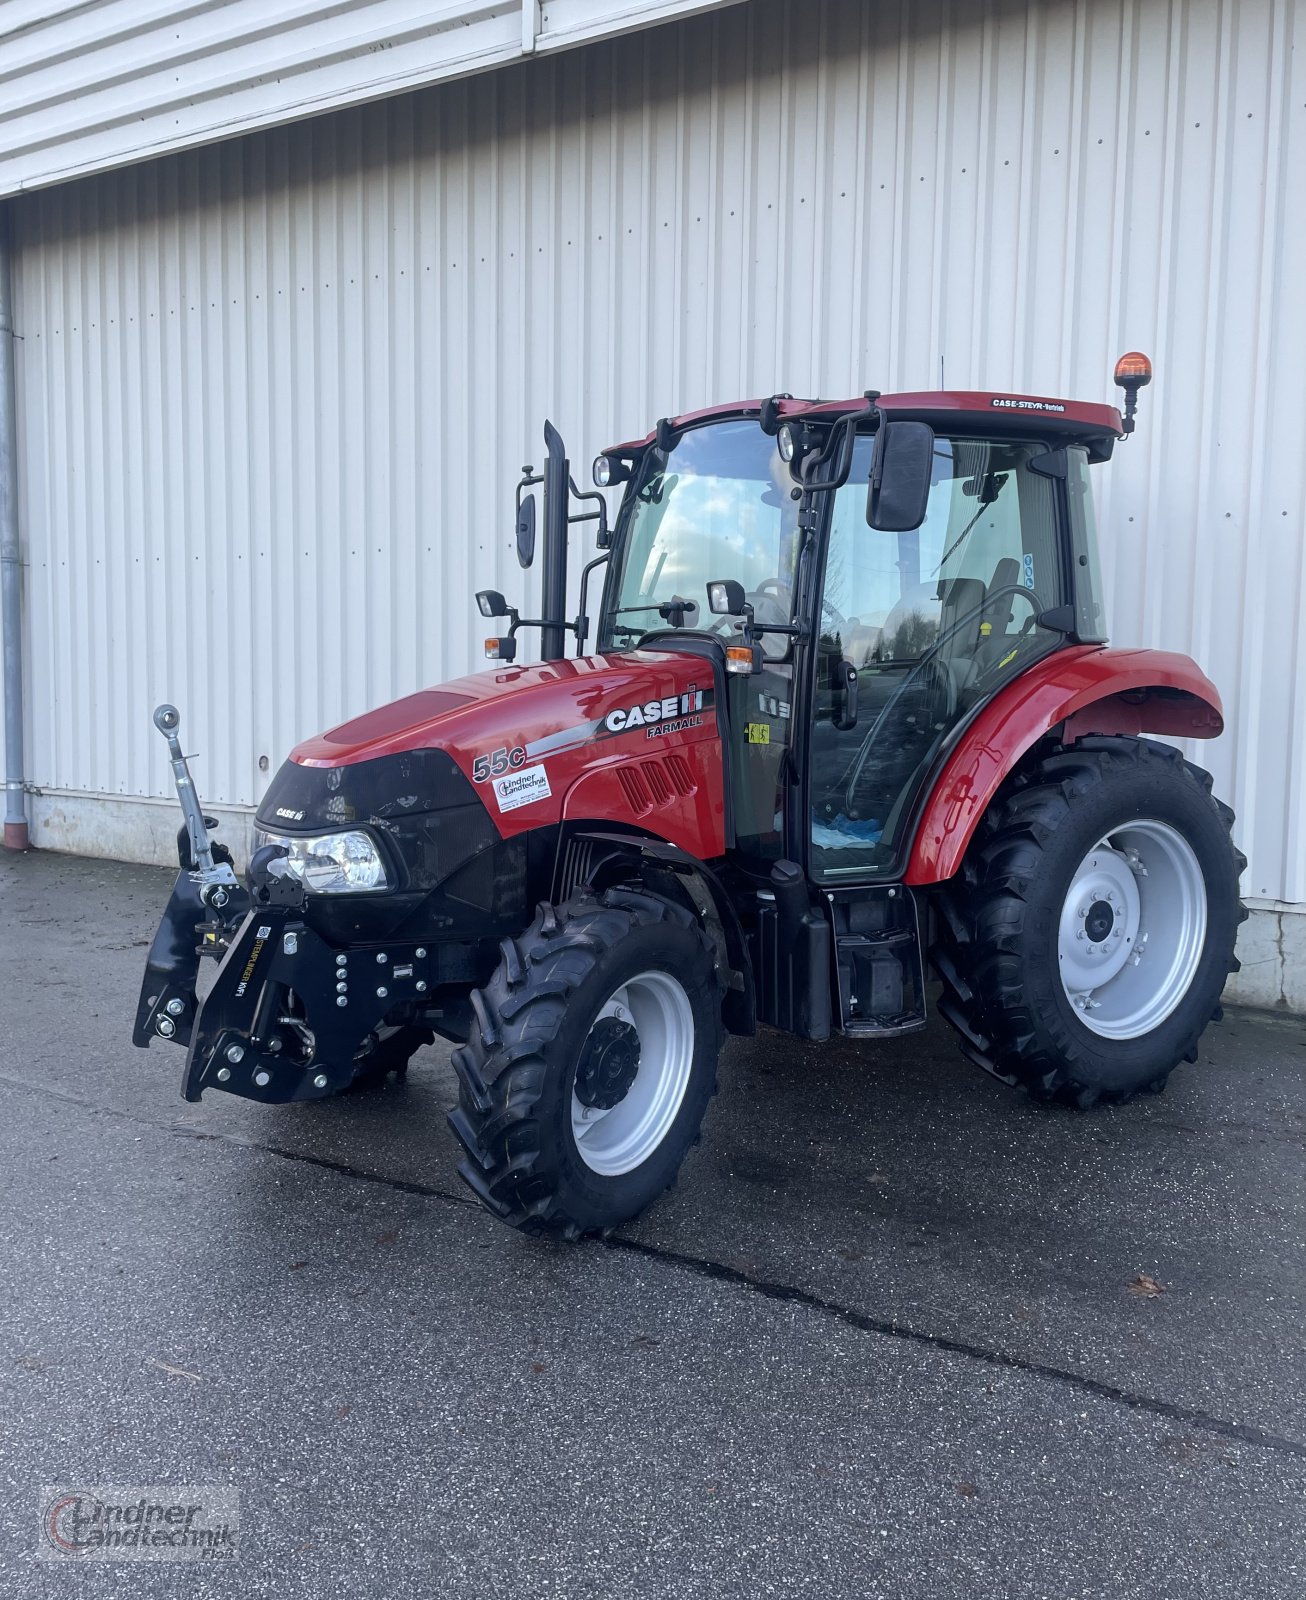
500,1069
981,912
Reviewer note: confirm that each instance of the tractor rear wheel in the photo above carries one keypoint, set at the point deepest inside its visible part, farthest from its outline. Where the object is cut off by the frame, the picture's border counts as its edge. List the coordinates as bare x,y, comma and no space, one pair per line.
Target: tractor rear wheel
1090,933
591,1065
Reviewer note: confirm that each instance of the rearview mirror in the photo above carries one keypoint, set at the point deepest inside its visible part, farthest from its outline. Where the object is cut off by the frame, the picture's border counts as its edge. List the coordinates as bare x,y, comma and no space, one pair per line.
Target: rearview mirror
525,532
899,489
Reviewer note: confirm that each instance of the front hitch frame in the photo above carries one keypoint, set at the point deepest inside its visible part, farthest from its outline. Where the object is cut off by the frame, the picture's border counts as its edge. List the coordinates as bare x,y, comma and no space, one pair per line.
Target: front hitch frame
244,1039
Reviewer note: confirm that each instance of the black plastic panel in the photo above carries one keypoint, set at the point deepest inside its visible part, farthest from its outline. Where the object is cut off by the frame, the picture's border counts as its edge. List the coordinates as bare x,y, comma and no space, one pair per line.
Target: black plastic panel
316,799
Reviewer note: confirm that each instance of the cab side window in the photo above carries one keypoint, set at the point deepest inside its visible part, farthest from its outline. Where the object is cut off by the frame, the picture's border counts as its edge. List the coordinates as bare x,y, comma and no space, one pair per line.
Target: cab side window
930,622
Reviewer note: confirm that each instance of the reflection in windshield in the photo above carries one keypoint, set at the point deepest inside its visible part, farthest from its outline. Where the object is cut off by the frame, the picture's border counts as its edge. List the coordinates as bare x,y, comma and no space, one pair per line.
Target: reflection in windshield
717,506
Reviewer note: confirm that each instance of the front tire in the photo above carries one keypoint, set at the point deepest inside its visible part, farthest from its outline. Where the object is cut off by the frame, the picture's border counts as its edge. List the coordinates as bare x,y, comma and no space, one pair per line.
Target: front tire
1092,928
584,1084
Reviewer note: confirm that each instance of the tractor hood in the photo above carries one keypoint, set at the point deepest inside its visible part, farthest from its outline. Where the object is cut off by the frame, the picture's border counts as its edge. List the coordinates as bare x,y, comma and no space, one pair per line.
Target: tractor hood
525,738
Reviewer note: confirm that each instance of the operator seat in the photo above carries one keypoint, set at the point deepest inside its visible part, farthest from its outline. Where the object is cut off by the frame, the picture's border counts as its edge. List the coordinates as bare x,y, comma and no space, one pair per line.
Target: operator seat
958,598
1000,610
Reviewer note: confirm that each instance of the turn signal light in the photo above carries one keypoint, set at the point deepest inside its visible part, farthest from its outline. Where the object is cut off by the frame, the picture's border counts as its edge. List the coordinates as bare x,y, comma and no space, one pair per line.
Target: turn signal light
501,649
744,658
1133,370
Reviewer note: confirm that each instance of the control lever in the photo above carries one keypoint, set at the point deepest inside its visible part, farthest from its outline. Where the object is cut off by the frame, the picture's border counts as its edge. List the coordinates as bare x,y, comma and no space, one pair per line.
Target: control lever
216,879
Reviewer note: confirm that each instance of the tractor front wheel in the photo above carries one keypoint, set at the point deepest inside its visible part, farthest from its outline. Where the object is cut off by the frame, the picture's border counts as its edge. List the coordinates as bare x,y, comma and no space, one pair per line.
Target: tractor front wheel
591,1065
1092,929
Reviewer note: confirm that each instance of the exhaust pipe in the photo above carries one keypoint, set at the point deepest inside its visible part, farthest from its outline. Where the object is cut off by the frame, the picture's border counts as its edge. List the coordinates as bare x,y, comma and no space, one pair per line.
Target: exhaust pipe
11,571
553,636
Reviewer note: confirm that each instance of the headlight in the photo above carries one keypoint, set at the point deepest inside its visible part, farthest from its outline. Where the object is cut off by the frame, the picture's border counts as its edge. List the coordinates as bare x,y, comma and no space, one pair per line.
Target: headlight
334,863
787,443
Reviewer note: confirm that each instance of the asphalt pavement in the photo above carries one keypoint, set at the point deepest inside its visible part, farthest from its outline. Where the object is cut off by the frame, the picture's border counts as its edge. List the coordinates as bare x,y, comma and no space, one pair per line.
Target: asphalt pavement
896,1332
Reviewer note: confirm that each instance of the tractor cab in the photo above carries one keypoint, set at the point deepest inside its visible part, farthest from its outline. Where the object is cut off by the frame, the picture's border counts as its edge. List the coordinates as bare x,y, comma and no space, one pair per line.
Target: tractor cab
873,574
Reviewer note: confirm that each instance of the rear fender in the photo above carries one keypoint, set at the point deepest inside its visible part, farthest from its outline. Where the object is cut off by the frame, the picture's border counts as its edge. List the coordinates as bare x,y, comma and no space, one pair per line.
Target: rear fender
1077,691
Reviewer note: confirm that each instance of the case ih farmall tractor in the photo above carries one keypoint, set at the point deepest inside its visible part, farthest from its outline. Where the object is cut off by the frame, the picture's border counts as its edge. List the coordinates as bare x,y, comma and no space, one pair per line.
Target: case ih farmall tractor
850,715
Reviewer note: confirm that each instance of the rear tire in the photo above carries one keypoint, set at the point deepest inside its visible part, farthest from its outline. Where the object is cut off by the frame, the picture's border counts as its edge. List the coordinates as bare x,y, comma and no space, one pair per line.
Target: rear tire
1088,937
584,1084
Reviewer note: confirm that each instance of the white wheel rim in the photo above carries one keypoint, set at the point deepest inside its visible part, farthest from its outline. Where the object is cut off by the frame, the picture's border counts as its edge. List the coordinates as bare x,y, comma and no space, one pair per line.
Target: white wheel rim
1132,929
623,1137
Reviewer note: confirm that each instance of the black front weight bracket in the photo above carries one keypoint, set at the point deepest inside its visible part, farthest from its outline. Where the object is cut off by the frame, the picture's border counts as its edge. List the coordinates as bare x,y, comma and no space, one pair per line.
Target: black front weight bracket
243,1042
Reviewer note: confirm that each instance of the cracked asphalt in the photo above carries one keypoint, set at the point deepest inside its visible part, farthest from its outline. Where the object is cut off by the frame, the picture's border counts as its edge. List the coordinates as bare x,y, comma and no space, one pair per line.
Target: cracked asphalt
880,1340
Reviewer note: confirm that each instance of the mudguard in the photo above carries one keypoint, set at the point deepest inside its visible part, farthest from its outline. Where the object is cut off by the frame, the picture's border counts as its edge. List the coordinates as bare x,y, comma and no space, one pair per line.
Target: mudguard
1081,690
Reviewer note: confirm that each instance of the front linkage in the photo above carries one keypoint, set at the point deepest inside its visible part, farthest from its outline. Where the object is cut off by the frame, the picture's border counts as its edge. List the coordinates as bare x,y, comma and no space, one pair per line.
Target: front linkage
248,1039
287,1016
207,901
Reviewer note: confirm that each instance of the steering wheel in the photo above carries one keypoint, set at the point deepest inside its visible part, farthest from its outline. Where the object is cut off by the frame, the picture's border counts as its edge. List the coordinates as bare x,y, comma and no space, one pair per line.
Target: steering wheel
1020,592
941,693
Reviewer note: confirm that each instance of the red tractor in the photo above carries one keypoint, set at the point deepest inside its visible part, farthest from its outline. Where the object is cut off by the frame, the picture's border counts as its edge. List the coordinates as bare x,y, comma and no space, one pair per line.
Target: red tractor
850,715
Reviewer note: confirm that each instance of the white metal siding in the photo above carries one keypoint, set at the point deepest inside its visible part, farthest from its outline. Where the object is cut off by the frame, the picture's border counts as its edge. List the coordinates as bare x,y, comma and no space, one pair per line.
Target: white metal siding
275,393
85,87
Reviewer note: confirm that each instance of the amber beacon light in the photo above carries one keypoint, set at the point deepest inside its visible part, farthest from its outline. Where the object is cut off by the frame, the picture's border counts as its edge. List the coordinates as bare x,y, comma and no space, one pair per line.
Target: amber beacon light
1133,372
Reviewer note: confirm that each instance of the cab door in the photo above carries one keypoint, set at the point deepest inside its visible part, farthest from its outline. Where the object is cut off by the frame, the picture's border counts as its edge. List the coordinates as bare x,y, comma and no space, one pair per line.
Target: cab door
924,626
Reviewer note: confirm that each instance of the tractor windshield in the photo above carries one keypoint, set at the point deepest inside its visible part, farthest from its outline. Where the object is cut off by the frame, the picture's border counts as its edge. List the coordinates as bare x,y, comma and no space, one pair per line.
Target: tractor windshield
717,505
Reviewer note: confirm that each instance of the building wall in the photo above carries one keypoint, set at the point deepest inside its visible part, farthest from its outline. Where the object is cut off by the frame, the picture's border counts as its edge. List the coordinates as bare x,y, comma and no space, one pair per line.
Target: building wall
275,392
86,85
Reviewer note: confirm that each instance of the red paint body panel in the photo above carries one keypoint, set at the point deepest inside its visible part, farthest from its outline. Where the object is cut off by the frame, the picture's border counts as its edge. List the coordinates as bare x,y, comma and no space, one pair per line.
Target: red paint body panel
676,793
725,412
983,402
669,783
1013,408
1094,690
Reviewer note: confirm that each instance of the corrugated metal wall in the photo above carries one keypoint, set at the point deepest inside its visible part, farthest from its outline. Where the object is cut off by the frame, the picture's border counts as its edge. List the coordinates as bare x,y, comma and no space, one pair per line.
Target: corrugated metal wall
86,85
275,392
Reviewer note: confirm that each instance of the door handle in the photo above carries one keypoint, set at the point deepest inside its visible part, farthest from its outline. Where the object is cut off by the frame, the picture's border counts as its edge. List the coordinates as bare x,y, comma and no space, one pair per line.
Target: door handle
845,687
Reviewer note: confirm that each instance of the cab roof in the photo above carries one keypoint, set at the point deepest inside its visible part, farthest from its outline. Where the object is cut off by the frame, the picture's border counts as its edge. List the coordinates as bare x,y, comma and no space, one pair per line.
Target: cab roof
960,407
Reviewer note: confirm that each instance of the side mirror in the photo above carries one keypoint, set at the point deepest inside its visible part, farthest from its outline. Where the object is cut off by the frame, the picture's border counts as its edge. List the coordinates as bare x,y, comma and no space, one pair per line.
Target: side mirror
490,603
525,537
900,476
725,597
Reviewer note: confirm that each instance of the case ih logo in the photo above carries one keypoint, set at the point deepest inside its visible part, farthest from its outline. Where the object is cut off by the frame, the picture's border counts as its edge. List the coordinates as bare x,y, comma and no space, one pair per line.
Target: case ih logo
677,711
